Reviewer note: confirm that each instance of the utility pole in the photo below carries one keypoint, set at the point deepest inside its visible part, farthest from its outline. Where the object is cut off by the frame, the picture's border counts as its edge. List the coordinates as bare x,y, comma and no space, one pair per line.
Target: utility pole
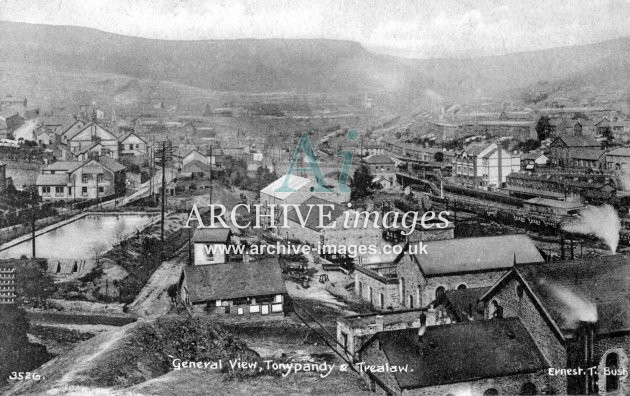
210,175
33,231
163,160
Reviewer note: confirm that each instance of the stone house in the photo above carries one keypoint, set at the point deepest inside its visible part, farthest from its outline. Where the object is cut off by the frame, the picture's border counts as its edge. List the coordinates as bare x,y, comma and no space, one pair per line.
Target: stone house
563,148
417,280
90,135
488,357
578,314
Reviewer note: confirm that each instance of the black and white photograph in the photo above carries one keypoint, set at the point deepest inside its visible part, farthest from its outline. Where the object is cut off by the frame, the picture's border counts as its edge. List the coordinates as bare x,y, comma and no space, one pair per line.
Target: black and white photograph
314,197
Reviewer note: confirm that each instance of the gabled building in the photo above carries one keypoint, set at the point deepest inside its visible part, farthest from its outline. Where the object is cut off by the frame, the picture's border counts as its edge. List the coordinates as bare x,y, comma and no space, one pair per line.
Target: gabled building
90,135
381,165
489,357
133,145
218,284
418,280
484,165
578,313
98,177
10,120
564,148
69,128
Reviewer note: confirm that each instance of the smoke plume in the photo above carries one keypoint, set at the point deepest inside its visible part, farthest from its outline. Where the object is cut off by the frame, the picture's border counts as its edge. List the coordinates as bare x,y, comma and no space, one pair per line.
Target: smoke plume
577,308
599,220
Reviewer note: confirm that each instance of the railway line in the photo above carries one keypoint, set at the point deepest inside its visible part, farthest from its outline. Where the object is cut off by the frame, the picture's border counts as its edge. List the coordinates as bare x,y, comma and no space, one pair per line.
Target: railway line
503,209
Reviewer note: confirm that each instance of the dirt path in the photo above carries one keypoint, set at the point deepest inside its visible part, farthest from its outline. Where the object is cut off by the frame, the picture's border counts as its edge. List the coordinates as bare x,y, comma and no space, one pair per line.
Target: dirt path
153,299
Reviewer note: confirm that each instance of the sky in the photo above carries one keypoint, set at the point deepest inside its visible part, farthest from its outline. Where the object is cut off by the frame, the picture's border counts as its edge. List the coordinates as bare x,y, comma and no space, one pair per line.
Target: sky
408,28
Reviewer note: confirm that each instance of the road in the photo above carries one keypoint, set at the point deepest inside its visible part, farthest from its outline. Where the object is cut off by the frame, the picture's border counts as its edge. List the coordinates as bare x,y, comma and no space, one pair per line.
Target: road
143,191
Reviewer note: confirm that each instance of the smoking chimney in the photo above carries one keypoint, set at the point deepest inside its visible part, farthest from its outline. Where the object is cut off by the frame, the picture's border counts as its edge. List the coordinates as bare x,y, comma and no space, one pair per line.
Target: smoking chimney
584,357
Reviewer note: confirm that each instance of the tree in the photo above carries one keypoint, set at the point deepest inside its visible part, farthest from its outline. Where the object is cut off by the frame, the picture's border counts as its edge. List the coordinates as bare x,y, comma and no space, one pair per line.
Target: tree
33,282
543,128
362,185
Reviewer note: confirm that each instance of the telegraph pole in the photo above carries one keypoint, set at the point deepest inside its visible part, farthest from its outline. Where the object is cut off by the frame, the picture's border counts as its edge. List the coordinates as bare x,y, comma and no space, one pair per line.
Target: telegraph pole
33,230
210,175
163,160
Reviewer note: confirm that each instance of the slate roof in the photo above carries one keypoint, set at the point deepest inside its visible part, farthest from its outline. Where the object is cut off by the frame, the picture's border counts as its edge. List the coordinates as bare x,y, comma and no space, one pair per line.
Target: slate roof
460,352
196,166
621,151
578,141
460,301
52,180
234,280
477,254
63,166
476,149
111,164
589,154
602,281
377,159
312,221
211,235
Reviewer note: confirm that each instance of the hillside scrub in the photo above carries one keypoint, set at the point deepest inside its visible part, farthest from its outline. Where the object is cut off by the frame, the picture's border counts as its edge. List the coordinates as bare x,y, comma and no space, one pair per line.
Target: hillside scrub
151,347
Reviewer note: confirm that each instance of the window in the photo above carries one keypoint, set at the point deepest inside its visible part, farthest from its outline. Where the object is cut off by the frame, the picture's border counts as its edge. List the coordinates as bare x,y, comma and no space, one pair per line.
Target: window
402,290
382,300
344,341
240,311
218,303
491,392
410,301
58,190
45,190
278,298
461,287
101,189
83,190
519,291
439,292
528,389
99,178
85,178
254,308
612,366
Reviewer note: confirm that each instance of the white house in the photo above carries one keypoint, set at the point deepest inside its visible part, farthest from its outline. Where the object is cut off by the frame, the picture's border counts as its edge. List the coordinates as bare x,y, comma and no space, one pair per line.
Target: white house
485,166
132,144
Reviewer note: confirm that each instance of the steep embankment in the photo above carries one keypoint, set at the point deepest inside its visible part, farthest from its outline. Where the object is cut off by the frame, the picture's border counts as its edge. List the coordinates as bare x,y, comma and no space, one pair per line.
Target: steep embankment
134,354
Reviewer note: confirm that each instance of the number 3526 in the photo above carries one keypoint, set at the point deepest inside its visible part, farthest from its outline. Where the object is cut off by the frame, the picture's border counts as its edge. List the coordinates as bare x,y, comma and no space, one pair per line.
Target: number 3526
24,375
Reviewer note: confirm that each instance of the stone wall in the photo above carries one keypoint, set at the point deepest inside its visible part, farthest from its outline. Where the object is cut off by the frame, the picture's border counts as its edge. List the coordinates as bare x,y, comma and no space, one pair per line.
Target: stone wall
362,285
523,307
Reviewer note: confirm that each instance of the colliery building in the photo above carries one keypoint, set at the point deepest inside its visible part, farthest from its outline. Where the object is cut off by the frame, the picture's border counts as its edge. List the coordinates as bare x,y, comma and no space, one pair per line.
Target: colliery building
546,328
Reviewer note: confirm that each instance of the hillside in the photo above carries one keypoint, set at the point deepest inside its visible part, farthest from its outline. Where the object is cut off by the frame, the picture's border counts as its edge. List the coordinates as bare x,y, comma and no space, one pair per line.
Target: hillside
276,65
224,65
